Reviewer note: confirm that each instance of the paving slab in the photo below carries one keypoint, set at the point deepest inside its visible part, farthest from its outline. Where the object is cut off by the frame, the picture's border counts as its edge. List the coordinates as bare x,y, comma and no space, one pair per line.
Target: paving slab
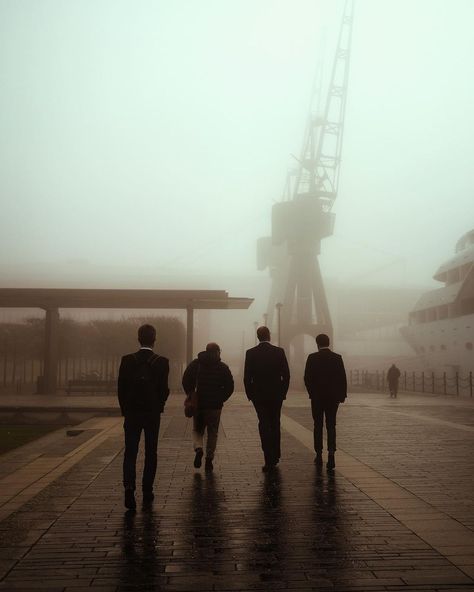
396,515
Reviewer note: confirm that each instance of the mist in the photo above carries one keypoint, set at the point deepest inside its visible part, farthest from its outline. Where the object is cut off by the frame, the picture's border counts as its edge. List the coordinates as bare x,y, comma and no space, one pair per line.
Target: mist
142,145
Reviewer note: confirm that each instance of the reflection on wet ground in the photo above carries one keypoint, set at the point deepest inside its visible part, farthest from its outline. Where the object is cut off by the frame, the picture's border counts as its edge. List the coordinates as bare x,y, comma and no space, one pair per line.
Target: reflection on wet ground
141,561
296,528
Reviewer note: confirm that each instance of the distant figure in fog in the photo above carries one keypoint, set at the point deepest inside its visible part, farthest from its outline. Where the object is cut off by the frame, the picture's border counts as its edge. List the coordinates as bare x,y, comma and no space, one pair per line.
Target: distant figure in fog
214,384
393,376
326,383
266,380
142,392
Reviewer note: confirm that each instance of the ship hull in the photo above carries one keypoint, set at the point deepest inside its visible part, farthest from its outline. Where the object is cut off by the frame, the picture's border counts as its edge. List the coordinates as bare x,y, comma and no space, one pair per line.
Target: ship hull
444,345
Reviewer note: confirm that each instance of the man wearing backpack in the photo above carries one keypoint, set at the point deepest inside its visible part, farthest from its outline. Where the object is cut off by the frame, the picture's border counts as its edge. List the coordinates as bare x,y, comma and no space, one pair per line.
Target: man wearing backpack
142,393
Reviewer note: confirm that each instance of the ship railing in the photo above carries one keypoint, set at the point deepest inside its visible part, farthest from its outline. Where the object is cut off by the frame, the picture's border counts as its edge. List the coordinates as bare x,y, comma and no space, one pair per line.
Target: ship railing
443,383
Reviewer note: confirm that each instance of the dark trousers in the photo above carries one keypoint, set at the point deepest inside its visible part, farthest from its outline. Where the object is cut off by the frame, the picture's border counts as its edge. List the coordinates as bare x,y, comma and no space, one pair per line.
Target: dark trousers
133,426
393,388
269,413
321,410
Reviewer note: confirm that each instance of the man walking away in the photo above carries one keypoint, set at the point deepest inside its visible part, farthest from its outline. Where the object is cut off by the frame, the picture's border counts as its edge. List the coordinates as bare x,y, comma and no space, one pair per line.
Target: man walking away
142,392
326,383
393,376
214,384
266,381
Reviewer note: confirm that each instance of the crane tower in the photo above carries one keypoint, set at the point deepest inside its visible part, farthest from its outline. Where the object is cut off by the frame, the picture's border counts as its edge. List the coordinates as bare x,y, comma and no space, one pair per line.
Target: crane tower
304,217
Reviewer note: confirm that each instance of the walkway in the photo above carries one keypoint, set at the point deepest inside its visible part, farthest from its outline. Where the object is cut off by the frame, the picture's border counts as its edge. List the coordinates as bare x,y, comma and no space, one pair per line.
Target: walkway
397,515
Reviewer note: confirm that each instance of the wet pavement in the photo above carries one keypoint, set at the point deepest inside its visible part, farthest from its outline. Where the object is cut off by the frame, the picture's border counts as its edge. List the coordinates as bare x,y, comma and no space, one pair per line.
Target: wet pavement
398,513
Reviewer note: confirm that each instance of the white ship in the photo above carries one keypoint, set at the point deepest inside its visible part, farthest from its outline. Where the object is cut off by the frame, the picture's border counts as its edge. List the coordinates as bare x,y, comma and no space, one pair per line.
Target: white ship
441,326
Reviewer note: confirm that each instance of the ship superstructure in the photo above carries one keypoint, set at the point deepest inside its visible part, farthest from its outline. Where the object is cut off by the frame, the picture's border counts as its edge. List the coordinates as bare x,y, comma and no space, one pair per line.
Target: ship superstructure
441,326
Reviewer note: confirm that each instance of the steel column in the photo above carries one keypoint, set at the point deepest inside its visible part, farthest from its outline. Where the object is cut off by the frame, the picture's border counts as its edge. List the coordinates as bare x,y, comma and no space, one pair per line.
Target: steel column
189,333
51,346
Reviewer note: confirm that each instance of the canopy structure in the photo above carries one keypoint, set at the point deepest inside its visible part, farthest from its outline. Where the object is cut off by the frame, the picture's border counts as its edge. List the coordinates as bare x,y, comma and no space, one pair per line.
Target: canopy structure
53,299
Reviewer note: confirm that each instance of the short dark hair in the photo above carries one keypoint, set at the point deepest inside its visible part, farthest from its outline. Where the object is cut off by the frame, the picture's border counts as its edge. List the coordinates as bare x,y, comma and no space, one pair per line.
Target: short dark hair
214,350
213,347
322,340
263,333
146,335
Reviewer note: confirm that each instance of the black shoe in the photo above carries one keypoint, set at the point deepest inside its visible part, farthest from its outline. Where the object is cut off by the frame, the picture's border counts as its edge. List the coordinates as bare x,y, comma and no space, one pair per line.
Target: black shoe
198,458
130,502
148,497
331,464
208,467
318,459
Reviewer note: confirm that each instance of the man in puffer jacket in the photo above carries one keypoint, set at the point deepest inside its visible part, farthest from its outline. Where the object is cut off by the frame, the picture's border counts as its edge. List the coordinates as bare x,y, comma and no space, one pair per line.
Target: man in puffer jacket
213,382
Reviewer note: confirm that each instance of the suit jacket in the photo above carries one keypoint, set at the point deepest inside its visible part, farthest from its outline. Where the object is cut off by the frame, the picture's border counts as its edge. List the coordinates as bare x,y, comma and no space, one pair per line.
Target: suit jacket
160,370
325,376
266,373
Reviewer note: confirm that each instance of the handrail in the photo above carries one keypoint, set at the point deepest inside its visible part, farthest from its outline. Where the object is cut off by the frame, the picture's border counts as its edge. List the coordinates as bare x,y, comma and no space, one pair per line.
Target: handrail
423,382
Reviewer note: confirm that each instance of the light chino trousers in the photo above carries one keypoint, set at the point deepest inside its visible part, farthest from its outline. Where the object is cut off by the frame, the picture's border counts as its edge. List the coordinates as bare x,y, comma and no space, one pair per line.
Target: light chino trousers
206,419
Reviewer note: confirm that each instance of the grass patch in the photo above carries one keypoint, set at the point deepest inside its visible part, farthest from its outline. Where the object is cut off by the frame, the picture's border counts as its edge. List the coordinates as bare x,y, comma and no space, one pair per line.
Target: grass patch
12,436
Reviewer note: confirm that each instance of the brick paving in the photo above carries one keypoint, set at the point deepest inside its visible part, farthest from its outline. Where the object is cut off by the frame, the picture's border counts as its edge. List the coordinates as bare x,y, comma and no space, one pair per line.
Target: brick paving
239,529
435,462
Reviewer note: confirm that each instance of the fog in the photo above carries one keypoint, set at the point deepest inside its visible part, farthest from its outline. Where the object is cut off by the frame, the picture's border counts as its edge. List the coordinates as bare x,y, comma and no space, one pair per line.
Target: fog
159,134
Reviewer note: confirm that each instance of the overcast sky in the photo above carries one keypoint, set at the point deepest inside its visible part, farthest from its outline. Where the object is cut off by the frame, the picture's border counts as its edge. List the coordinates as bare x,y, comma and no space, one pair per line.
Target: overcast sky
158,134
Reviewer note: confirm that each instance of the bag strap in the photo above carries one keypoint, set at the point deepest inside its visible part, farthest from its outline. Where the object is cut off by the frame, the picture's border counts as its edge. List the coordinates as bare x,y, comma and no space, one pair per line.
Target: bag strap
151,360
198,372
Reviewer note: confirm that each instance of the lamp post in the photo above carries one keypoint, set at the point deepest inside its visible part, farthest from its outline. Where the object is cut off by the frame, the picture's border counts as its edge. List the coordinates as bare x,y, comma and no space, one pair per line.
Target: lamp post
278,307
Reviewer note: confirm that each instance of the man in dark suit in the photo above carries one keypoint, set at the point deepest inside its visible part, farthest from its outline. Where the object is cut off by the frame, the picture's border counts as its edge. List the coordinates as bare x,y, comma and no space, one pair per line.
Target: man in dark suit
142,392
325,380
266,380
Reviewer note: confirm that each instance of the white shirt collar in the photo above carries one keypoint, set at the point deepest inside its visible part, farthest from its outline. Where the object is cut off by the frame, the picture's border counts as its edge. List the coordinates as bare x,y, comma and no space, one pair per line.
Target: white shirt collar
145,347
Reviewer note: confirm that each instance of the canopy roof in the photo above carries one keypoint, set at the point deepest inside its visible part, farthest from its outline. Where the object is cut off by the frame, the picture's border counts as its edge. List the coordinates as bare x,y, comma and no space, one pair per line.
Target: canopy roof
48,298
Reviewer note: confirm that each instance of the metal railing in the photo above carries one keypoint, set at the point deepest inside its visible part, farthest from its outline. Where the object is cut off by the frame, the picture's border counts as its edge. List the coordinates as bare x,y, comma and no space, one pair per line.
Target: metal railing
415,382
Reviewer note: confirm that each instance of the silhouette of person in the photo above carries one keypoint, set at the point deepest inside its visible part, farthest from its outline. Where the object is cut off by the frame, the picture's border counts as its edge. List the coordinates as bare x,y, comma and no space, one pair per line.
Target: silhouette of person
214,384
205,524
393,375
142,563
326,383
142,393
266,381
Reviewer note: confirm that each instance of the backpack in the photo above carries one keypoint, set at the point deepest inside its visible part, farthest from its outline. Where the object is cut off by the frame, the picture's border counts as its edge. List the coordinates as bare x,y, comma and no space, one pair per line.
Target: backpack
143,383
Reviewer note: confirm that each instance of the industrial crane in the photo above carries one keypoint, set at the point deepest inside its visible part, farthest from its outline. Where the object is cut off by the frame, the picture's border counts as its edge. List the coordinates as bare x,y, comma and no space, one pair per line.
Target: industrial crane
304,217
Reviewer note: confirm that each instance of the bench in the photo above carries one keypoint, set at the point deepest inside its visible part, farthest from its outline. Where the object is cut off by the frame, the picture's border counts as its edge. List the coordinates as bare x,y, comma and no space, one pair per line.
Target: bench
91,386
